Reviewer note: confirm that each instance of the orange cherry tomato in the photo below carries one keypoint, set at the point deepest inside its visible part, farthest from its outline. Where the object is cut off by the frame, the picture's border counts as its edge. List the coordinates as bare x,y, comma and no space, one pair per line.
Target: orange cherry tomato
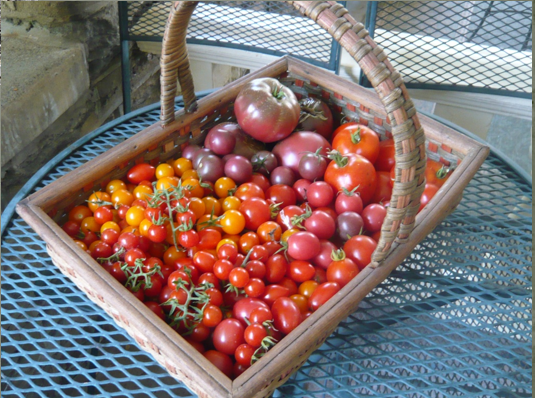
232,222
96,199
249,190
223,185
247,241
164,170
197,206
211,204
78,213
182,165
194,187
114,185
231,203
269,231
122,197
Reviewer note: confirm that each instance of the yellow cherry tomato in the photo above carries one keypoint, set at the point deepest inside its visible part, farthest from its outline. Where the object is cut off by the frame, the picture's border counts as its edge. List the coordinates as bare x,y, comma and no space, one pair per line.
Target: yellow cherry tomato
208,221
135,215
211,204
194,187
286,234
229,241
114,185
190,174
96,199
131,228
233,222
89,224
122,197
167,183
143,192
164,170
301,302
235,238
144,227
172,254
223,185
197,206
110,225
231,203
182,165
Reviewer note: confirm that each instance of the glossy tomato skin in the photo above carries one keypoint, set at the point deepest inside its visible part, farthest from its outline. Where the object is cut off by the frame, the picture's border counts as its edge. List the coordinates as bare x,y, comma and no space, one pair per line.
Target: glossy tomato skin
429,191
322,294
290,151
436,173
383,191
358,172
286,314
358,139
320,224
360,249
221,361
323,258
243,308
283,194
387,156
267,110
342,271
228,335
140,172
303,245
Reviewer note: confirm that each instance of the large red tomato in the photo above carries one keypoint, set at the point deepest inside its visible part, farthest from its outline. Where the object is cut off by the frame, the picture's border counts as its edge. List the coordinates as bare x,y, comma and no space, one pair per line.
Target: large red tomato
350,172
267,110
387,155
356,138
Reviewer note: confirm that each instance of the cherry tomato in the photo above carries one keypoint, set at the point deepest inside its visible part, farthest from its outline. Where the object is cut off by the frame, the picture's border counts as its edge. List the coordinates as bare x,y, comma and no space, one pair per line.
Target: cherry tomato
348,201
220,361
300,187
242,309
78,213
204,261
322,294
360,249
260,315
273,292
276,268
247,241
256,211
300,271
342,269
188,239
283,194
303,245
320,224
255,287
140,172
387,155
285,216
244,354
212,316
255,333
307,288
301,302
429,191
181,165
223,187
222,269
232,222
261,181
373,216
286,314
227,252
208,239
249,190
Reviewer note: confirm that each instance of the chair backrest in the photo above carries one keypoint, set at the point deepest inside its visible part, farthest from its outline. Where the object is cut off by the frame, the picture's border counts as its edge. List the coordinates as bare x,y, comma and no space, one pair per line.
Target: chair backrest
268,27
474,46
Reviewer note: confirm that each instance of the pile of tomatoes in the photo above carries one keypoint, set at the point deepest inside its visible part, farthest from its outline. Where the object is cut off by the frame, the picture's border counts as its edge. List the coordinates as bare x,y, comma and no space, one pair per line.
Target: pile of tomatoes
235,248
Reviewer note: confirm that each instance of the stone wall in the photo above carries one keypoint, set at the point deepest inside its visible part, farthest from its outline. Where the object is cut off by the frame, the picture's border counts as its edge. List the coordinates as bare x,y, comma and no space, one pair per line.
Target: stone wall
62,80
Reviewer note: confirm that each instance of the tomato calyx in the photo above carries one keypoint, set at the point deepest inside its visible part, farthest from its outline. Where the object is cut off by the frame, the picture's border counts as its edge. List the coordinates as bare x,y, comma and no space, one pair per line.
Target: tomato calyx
298,220
443,172
311,108
275,209
186,227
265,345
278,93
347,192
338,255
101,202
336,156
355,136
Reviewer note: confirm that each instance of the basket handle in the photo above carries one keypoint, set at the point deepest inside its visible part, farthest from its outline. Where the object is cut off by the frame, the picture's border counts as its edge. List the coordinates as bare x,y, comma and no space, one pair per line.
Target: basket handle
407,131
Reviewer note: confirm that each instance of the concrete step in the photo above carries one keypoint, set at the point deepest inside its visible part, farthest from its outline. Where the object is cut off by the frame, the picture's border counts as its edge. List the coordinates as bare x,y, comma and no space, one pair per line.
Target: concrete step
41,81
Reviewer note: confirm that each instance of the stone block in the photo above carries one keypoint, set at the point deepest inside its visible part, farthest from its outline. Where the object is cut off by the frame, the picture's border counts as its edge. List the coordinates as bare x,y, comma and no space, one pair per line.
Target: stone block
40,83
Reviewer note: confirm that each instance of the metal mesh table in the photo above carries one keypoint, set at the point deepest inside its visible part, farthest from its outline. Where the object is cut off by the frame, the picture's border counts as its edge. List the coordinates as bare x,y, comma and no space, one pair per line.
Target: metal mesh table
453,320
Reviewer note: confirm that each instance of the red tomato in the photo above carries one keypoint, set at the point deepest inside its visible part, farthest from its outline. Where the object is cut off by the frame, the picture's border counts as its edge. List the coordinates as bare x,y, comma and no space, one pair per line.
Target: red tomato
243,308
320,194
429,191
260,180
320,224
244,354
256,211
140,172
354,138
383,191
249,190
436,173
359,249
348,201
284,218
352,172
267,110
221,361
322,294
301,271
283,194
254,334
276,268
387,155
273,292
342,270
303,245
228,335
373,216
286,314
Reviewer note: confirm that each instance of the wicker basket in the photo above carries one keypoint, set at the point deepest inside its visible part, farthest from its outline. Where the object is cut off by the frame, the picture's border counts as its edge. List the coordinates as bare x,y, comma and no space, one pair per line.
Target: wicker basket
401,232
